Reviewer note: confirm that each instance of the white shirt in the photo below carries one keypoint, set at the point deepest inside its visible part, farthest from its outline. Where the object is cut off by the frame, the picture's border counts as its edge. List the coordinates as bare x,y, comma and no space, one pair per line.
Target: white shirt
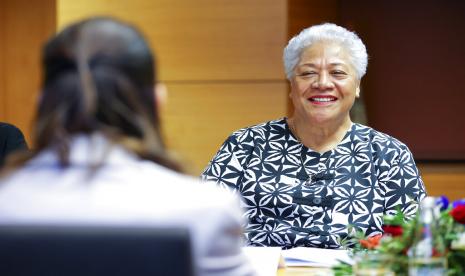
126,191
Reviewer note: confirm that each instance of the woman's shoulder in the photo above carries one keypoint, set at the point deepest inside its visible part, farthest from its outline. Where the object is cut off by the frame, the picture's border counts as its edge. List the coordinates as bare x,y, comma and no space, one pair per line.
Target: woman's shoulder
174,181
378,139
151,184
168,188
261,129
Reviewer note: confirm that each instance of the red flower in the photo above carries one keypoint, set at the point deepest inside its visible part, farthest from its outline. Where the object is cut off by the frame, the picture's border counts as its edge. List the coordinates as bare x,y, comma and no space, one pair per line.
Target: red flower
393,230
458,213
371,242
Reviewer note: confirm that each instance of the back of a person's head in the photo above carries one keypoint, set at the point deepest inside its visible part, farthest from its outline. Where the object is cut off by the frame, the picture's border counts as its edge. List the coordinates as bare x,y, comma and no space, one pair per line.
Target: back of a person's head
99,77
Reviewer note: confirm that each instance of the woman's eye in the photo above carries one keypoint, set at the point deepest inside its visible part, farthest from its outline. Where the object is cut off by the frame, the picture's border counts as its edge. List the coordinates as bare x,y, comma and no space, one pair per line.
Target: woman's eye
338,72
307,73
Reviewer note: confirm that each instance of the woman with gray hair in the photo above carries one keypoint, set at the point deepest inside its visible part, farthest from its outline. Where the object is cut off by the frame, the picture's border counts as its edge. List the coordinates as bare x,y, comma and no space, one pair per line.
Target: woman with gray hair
306,178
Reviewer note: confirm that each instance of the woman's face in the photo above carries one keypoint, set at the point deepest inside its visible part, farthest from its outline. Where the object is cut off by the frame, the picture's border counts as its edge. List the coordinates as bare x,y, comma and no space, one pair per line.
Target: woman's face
324,86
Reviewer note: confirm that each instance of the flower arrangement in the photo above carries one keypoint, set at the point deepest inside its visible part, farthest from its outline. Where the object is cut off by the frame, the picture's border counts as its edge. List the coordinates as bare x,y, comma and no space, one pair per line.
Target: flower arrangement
399,234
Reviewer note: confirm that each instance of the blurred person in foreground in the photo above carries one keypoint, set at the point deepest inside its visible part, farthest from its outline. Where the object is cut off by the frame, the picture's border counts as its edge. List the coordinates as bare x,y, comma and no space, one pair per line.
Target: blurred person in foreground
99,158
306,178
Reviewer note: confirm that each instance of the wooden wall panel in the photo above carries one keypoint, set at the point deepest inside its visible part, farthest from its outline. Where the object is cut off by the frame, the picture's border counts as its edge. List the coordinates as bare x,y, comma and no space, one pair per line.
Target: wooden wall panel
444,179
2,60
26,26
202,39
451,185
304,13
221,59
199,117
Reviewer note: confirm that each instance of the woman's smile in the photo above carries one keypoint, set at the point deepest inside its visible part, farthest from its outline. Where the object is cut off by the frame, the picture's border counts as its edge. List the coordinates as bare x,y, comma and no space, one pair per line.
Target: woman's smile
322,100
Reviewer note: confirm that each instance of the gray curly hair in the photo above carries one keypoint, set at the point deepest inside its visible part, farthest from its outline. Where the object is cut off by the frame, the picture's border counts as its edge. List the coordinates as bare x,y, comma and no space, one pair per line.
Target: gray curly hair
326,32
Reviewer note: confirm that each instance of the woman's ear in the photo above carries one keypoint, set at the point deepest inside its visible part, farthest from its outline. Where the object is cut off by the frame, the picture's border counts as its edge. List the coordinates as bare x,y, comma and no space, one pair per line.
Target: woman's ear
161,95
291,87
357,90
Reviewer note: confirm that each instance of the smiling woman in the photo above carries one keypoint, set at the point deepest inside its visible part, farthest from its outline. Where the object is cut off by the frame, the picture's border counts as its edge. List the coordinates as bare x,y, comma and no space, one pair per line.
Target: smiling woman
306,178
324,87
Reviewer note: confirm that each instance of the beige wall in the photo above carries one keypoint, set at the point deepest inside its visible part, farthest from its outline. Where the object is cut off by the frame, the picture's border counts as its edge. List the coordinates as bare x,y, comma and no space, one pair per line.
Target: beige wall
220,59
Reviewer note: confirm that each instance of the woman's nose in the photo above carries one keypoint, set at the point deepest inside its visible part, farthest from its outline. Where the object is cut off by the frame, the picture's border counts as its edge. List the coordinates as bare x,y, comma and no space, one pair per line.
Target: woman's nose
323,82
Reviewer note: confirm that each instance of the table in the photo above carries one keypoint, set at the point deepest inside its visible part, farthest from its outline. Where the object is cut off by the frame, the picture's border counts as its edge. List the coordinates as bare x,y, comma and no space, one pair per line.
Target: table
304,271
265,260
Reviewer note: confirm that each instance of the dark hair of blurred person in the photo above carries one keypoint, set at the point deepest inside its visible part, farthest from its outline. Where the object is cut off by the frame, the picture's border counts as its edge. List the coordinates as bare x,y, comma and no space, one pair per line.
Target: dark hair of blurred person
100,76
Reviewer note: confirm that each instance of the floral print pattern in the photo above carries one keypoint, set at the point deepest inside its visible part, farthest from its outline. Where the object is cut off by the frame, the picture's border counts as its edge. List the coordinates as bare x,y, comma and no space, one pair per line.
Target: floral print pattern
293,196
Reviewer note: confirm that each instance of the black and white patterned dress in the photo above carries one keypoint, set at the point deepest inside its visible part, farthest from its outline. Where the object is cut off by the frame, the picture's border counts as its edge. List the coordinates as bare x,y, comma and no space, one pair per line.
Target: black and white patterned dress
294,196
